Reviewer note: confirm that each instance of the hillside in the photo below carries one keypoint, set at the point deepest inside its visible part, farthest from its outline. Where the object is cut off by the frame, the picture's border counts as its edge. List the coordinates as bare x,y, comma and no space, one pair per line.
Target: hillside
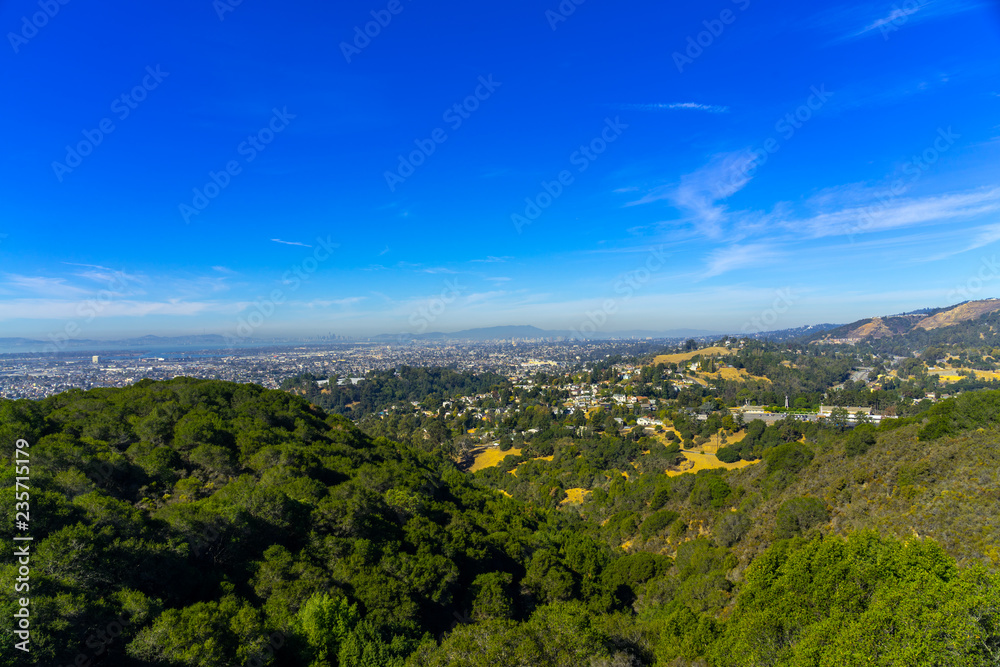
679,357
214,524
964,312
900,325
226,524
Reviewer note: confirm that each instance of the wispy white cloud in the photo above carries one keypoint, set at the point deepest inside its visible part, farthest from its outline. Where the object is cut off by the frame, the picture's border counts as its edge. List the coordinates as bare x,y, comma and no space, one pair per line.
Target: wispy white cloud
61,309
674,106
479,297
887,20
730,258
897,16
490,259
699,194
304,245
882,213
499,279
438,269
105,275
987,235
43,285
326,303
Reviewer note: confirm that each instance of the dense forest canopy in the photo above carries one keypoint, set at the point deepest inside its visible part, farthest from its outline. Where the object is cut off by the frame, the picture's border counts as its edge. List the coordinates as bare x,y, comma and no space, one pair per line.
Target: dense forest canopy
199,522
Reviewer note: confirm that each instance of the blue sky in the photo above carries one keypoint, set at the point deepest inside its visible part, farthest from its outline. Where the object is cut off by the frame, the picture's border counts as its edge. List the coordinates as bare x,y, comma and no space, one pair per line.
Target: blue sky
268,169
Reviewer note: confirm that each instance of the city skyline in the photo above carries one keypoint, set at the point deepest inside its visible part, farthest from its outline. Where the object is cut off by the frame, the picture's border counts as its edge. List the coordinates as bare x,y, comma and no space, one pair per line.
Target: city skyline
237,167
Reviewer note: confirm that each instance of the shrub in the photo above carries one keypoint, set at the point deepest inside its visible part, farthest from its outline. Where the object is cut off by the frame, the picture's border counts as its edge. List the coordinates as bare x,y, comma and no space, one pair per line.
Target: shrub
633,570
731,527
656,522
797,515
709,490
860,440
790,457
678,528
728,454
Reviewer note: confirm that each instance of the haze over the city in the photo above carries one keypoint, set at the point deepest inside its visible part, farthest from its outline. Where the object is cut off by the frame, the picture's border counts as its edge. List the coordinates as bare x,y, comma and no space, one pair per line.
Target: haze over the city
204,166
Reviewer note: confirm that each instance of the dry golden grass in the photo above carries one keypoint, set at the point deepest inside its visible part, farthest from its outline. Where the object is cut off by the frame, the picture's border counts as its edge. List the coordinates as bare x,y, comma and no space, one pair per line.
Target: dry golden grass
876,327
685,356
697,461
491,457
733,439
951,374
735,374
574,496
962,313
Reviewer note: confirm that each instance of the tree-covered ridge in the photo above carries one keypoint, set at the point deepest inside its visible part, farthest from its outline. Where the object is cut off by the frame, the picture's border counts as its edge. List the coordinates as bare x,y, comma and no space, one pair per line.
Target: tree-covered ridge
977,332
222,524
213,515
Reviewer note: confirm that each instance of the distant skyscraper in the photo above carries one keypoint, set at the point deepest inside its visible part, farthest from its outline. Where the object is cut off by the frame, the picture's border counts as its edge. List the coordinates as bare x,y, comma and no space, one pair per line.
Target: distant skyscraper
95,359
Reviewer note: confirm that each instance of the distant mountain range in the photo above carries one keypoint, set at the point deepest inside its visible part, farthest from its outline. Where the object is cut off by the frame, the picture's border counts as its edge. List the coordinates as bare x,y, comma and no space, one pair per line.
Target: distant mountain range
531,332
889,326
810,330
81,344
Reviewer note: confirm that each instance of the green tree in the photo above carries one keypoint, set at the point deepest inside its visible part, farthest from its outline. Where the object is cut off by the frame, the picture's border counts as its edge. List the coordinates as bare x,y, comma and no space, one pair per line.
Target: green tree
325,622
860,440
491,596
710,490
838,418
